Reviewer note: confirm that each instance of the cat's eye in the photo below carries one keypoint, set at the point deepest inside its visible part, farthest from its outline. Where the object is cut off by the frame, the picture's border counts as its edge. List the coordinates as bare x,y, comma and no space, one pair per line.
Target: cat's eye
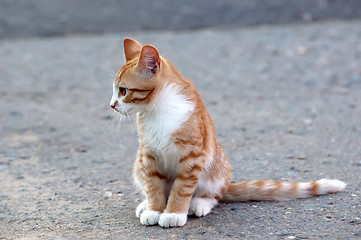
123,91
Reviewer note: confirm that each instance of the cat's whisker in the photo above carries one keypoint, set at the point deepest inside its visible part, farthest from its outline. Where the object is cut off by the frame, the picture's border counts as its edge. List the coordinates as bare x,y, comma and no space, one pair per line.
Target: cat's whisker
104,71
119,120
127,114
106,75
113,120
110,121
122,127
121,124
112,67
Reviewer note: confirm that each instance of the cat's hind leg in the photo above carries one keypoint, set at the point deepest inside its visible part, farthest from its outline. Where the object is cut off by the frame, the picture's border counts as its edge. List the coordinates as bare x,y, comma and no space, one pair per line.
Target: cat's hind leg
141,208
201,206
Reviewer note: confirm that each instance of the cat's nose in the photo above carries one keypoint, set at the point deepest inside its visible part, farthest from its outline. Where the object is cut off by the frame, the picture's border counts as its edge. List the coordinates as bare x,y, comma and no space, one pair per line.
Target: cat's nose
113,105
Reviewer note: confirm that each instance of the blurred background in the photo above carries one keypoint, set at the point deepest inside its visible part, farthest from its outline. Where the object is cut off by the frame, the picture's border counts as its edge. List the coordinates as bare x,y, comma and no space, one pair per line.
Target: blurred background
28,18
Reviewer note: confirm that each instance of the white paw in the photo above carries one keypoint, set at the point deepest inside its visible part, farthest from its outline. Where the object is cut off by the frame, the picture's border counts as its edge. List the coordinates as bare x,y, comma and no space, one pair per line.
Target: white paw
172,219
141,208
149,217
201,206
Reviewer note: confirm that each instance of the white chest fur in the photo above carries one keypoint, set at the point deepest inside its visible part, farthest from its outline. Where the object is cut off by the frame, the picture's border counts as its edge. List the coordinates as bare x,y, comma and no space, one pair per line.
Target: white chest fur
164,117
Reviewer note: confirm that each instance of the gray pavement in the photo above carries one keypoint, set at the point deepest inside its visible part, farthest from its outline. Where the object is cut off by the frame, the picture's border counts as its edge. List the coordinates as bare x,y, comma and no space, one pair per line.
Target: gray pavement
286,105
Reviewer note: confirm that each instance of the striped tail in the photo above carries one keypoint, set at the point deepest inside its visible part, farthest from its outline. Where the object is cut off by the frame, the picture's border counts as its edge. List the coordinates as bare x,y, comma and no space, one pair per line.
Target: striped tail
271,190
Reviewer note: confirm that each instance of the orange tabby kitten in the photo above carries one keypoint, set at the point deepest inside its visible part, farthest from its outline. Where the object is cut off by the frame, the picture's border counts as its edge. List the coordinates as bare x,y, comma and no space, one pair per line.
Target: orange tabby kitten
180,167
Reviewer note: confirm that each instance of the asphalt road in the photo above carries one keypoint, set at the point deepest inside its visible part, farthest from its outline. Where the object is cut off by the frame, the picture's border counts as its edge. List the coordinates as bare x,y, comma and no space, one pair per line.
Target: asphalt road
63,17
286,105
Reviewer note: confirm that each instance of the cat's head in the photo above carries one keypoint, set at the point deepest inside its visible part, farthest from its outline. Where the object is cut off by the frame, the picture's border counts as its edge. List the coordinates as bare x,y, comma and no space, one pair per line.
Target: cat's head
138,79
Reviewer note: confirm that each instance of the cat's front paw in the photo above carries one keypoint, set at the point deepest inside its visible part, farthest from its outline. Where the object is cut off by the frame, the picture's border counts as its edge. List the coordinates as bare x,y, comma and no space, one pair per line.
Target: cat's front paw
172,219
141,208
149,217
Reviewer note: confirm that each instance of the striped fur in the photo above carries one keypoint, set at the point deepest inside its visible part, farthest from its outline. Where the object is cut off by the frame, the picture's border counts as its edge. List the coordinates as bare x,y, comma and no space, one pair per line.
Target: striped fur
276,190
180,167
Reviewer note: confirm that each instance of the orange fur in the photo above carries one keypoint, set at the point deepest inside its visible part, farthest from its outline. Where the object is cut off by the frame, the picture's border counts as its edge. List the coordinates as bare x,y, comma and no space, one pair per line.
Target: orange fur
180,166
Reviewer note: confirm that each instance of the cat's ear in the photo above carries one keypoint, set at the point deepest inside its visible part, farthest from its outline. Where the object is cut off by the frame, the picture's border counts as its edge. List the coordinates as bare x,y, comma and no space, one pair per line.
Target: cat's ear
148,62
131,48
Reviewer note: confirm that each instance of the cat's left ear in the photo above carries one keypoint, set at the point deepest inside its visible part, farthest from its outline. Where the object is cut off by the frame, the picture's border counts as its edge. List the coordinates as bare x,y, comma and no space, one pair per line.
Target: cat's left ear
131,48
149,61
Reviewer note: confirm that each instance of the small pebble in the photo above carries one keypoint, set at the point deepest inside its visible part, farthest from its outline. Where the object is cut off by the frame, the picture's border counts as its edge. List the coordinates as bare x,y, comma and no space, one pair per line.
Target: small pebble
76,180
302,50
83,184
24,156
358,164
355,222
284,234
108,194
81,149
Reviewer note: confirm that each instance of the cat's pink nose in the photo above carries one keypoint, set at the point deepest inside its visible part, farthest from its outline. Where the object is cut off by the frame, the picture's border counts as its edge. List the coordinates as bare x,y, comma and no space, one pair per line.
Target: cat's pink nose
114,104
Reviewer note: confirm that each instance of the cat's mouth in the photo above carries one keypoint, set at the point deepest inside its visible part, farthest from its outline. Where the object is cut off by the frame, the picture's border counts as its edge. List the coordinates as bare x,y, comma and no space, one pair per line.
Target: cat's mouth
123,110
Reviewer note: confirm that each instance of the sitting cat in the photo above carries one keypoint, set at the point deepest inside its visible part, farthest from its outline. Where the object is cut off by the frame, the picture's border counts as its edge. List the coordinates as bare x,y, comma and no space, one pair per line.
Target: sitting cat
180,167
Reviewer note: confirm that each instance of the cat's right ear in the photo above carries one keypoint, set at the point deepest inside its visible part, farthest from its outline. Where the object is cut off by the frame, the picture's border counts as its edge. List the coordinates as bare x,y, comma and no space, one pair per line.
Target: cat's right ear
149,61
131,48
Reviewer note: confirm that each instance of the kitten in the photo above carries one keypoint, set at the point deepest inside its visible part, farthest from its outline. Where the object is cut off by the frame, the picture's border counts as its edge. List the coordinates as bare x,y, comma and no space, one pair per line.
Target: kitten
180,167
